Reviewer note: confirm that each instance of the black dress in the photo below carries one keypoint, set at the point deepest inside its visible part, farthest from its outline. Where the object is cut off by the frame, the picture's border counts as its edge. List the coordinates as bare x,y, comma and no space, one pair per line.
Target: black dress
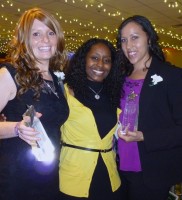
22,177
106,118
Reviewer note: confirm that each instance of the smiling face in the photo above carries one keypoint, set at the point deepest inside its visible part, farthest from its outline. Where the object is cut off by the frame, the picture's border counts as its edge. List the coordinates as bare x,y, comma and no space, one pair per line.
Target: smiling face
98,62
43,41
135,45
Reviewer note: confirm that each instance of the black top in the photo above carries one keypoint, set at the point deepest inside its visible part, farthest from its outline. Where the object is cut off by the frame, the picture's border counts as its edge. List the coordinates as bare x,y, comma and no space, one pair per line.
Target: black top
160,120
105,115
106,118
21,175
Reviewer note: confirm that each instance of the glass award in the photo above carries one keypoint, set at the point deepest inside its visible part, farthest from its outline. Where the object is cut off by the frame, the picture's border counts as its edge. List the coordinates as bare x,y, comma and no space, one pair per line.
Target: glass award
44,151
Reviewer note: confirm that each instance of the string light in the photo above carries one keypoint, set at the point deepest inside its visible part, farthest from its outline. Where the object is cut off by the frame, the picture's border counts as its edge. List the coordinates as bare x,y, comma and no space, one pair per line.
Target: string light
176,4
73,38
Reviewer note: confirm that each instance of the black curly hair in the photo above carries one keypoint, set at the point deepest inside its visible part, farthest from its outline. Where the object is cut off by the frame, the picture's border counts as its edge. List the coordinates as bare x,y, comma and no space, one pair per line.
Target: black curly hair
76,76
154,47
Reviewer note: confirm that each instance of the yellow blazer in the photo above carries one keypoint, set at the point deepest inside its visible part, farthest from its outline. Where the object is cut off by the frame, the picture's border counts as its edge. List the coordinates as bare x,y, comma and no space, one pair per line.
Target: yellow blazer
77,166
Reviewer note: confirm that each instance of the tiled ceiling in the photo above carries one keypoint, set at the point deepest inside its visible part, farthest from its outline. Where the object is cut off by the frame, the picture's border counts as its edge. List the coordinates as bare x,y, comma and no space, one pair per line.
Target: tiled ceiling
83,19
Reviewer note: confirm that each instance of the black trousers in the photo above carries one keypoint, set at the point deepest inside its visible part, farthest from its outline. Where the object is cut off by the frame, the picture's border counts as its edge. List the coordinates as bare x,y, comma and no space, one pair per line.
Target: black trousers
133,188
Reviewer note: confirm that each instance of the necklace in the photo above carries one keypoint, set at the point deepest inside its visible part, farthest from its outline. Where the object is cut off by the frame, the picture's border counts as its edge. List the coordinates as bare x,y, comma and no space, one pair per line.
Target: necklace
51,88
97,96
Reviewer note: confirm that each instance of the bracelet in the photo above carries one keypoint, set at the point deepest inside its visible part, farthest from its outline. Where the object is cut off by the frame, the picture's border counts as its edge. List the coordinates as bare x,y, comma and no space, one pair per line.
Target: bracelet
16,129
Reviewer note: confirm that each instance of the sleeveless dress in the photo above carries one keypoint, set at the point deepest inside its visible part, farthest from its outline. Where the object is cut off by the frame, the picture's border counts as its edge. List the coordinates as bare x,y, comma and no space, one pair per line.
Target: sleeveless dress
21,175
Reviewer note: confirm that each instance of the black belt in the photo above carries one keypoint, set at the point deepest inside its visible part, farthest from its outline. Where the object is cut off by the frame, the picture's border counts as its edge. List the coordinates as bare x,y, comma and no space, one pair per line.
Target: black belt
86,149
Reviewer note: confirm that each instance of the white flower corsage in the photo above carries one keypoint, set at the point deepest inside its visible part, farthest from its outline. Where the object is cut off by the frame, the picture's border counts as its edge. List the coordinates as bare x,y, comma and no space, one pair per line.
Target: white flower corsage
156,79
60,75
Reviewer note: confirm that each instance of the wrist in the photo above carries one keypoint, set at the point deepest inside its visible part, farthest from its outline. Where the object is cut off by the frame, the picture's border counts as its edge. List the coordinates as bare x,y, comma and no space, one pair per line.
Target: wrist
141,137
16,129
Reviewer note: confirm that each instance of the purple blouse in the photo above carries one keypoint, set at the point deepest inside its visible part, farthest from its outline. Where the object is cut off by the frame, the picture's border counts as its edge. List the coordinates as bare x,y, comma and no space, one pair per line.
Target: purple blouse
128,151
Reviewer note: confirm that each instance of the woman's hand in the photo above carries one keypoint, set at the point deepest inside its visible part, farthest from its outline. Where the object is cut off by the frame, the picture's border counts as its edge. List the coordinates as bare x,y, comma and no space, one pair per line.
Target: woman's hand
2,118
130,136
28,134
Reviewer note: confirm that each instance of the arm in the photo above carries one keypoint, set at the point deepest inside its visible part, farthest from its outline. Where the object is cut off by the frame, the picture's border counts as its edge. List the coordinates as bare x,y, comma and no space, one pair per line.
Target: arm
8,89
12,129
164,130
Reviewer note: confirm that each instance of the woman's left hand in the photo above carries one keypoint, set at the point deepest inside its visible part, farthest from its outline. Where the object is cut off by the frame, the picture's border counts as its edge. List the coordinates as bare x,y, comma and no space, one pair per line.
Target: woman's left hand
2,117
131,136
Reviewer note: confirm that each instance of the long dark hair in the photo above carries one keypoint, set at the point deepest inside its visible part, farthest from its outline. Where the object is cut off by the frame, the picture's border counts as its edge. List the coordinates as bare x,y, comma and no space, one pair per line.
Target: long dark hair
76,76
154,47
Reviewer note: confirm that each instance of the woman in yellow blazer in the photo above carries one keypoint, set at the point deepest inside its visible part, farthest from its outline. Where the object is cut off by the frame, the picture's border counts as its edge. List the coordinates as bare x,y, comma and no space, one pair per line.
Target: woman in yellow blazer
87,162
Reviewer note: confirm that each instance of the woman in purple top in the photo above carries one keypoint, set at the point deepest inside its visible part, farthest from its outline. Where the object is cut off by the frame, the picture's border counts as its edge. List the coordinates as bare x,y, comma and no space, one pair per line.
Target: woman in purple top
150,136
